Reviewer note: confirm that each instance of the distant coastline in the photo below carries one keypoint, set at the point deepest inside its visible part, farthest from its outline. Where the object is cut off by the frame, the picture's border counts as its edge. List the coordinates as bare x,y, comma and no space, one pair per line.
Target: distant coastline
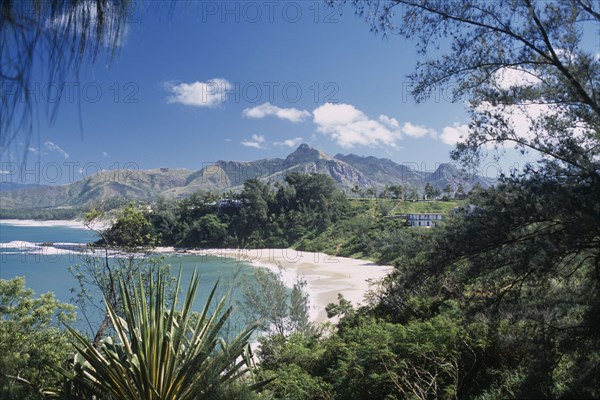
69,223
36,222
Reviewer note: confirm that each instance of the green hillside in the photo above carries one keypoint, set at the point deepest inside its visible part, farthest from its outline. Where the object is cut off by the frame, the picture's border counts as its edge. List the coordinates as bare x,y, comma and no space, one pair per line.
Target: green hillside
408,207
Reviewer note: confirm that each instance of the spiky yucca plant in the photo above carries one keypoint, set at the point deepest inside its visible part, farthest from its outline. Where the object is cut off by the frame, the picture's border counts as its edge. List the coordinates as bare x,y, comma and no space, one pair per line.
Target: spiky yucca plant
161,353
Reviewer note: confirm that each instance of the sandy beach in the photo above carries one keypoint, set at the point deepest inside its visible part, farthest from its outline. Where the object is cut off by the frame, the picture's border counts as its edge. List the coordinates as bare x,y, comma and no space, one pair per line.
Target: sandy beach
326,275
31,222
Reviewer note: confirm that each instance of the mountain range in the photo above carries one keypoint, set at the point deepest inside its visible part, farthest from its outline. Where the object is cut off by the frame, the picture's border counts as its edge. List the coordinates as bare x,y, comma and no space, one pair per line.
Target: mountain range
349,171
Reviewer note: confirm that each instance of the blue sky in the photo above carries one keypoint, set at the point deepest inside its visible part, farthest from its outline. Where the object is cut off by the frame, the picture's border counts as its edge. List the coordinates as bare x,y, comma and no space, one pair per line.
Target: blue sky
243,81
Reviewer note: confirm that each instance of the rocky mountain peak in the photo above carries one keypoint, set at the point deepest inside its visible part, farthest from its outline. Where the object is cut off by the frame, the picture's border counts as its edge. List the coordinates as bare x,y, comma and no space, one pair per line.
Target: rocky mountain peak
304,153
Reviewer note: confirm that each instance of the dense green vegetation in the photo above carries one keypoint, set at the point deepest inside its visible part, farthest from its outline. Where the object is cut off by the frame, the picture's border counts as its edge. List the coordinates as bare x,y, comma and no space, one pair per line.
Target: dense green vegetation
260,216
371,358
510,314
503,300
31,341
307,212
41,213
159,351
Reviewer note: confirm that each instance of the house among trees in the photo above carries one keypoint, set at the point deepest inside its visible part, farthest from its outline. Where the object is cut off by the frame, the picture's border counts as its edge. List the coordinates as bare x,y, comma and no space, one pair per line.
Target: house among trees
225,203
424,219
420,219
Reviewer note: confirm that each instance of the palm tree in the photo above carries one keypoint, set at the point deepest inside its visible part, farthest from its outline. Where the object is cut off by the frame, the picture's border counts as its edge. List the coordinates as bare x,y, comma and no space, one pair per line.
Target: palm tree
160,353
370,192
398,191
357,190
448,190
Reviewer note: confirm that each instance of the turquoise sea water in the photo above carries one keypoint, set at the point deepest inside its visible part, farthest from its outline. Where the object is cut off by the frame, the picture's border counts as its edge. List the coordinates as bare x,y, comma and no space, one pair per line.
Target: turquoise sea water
43,271
38,234
46,271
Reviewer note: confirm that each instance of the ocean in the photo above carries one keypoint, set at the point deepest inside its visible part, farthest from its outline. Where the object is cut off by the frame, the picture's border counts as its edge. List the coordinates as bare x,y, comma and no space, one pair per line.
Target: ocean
46,268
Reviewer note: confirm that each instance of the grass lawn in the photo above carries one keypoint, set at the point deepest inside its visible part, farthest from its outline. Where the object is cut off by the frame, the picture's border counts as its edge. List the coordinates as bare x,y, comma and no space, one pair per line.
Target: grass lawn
410,207
442,207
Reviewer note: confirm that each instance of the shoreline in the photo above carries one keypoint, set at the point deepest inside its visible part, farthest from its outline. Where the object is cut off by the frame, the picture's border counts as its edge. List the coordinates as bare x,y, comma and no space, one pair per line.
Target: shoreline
67,223
325,275
70,223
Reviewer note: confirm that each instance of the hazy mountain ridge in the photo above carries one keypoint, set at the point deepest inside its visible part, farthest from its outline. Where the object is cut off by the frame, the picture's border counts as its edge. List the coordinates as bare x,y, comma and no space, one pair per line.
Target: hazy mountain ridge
96,189
349,171
382,170
449,174
7,186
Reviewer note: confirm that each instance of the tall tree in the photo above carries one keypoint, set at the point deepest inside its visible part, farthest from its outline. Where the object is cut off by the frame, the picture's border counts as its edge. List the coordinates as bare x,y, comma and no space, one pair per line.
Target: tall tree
56,36
316,198
280,311
256,197
31,342
527,254
398,191
429,191
448,190
460,191
541,69
123,252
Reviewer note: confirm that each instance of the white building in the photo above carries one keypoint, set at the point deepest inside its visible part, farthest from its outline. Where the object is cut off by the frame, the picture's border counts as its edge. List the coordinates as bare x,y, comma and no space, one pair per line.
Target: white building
425,219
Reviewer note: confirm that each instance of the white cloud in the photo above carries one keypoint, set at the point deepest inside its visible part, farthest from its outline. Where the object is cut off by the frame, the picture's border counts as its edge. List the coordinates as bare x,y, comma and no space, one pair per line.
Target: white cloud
518,118
56,148
417,131
268,109
105,154
349,126
330,114
507,78
257,142
453,134
289,142
4,172
33,150
389,121
199,94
